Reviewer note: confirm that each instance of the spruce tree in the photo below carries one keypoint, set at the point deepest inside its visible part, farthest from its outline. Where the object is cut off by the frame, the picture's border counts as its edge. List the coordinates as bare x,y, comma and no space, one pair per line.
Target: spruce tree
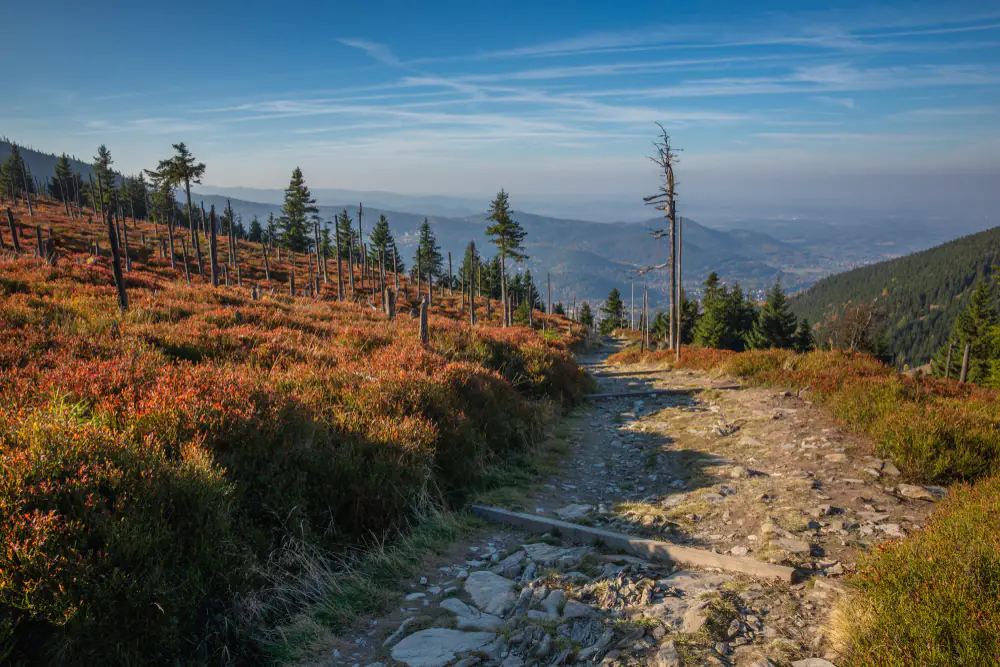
559,309
62,184
382,244
804,341
713,327
182,168
348,234
296,228
271,230
775,325
977,326
586,315
466,273
507,235
428,254
614,310
256,233
105,175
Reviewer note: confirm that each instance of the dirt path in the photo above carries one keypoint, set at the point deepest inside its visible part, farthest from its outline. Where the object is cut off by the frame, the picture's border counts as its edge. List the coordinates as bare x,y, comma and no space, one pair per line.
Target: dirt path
750,472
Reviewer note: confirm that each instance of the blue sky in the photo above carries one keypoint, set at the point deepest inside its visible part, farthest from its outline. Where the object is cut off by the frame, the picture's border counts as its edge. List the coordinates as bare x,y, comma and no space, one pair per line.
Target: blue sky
545,99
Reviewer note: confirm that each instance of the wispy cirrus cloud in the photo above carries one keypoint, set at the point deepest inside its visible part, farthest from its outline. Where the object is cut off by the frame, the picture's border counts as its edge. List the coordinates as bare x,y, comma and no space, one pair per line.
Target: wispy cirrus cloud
379,52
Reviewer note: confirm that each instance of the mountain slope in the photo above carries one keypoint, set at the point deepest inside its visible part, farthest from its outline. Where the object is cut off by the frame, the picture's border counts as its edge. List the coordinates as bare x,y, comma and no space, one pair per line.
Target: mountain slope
920,294
586,259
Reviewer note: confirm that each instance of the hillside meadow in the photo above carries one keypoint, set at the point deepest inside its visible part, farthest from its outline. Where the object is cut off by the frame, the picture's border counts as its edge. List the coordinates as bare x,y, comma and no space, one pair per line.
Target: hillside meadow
152,462
932,598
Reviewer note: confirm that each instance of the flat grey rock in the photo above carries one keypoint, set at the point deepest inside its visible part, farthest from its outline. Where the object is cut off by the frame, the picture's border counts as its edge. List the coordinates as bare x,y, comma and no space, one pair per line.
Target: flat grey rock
574,609
490,592
794,546
666,656
912,491
574,512
547,554
470,618
813,662
437,647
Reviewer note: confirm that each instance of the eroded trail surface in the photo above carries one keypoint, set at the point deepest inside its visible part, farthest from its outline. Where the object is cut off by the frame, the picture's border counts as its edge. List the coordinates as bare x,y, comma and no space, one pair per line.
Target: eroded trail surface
755,473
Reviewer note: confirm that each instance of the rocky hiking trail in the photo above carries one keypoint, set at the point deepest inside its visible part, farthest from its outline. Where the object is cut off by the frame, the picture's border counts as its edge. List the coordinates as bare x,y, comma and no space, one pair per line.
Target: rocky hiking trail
754,473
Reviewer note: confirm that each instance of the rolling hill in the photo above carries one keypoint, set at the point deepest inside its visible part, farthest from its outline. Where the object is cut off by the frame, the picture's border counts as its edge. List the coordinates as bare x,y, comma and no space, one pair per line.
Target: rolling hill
919,294
586,259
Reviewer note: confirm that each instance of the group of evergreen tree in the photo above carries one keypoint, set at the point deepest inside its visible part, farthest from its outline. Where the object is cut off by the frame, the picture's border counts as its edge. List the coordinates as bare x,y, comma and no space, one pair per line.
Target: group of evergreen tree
978,326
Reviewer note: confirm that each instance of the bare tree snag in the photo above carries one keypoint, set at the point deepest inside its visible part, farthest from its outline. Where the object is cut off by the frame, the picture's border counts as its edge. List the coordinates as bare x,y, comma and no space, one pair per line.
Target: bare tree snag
665,200
15,241
423,321
965,363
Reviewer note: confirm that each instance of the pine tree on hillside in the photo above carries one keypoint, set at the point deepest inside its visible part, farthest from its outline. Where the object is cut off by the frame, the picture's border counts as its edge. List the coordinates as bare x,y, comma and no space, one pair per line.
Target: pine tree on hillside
63,180
713,327
271,230
559,309
105,175
381,243
804,341
614,311
182,168
586,315
775,325
466,273
256,233
508,236
428,254
977,326
348,234
296,228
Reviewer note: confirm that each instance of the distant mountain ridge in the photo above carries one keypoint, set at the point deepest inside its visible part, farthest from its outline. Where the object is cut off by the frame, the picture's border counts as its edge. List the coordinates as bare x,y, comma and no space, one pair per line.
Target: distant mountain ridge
586,259
920,294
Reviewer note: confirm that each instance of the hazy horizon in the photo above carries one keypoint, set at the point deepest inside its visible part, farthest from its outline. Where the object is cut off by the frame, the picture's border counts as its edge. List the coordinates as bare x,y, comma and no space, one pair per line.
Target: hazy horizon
778,111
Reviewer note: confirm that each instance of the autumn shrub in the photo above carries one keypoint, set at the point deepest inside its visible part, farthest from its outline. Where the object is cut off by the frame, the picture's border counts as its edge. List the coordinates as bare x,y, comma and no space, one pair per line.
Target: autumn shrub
153,461
933,598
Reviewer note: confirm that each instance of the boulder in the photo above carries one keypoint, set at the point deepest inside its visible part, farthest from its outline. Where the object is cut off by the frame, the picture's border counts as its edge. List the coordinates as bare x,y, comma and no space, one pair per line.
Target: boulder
813,662
437,647
490,592
794,546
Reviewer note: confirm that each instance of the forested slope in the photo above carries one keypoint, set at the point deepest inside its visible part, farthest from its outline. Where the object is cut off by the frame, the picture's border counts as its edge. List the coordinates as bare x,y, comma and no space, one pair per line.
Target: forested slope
918,295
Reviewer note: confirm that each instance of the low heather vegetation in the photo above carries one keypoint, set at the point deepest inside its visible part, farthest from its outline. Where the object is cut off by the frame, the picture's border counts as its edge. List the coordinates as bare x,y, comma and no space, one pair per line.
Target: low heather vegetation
152,462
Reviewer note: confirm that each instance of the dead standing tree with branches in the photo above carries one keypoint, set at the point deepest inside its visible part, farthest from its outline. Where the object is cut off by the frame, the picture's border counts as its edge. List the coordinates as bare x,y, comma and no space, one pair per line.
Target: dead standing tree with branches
665,200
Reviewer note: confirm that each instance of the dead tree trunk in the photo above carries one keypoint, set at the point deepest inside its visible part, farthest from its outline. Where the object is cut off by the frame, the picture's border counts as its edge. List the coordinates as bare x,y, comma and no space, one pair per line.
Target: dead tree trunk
15,241
665,200
390,303
395,269
116,260
423,321
947,365
187,270
267,266
340,273
965,364
213,247
291,282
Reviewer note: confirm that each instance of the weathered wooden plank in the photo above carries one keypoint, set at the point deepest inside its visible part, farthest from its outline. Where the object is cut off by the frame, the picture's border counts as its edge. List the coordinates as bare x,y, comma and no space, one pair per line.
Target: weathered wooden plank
649,549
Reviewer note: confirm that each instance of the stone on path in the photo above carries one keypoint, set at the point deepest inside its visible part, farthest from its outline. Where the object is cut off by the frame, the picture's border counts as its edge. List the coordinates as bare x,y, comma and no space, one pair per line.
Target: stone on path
666,656
574,512
552,603
470,618
813,662
794,546
933,493
491,592
438,646
574,609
